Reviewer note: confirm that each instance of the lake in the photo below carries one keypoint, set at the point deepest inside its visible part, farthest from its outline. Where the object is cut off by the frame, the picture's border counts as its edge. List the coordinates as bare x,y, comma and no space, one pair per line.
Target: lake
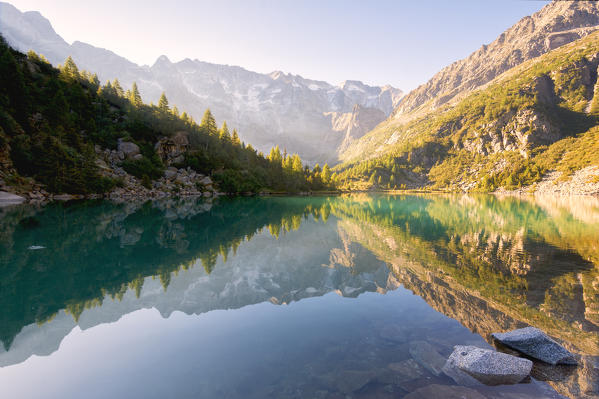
291,297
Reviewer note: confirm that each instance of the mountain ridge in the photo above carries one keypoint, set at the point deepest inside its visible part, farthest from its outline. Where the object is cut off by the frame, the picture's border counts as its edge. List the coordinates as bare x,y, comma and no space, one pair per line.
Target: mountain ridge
291,108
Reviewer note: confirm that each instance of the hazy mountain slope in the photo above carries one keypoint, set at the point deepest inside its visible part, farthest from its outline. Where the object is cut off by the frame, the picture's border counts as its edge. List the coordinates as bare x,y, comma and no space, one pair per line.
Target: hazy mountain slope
268,109
540,116
558,23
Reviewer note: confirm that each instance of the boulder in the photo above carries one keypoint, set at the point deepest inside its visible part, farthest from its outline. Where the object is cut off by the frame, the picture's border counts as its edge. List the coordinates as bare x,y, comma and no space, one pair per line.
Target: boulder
170,173
206,181
128,149
535,343
488,366
172,149
427,356
349,381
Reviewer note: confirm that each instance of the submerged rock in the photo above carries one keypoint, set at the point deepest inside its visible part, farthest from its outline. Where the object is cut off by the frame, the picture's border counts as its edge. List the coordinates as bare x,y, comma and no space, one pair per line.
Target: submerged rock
487,366
445,392
535,343
427,356
349,381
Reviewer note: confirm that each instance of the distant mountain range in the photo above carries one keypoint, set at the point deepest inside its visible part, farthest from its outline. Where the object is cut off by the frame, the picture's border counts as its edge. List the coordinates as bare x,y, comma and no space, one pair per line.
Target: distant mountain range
312,118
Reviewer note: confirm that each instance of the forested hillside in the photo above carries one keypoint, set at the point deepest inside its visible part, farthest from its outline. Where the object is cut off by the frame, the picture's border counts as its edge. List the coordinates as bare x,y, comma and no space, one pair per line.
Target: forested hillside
537,118
55,124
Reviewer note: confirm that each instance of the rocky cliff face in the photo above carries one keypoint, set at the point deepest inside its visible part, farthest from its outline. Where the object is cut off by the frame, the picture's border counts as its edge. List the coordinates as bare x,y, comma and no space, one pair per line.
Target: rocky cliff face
557,24
268,109
355,124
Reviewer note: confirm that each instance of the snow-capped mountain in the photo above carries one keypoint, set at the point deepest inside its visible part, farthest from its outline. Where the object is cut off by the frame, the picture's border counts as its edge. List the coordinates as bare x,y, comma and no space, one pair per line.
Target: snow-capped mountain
267,109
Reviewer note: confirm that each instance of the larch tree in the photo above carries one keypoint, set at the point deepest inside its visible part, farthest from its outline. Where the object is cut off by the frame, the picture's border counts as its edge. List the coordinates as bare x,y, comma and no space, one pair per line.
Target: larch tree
163,103
69,70
209,123
134,96
235,138
223,133
118,89
326,174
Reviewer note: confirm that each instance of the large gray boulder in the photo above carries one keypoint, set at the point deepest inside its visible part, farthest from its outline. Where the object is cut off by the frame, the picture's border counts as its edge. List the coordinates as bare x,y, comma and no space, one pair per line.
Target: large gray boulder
535,343
129,149
487,366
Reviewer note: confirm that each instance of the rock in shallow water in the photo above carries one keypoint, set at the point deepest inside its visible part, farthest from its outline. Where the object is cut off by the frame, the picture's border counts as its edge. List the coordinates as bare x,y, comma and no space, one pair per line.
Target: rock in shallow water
427,356
445,392
535,343
487,366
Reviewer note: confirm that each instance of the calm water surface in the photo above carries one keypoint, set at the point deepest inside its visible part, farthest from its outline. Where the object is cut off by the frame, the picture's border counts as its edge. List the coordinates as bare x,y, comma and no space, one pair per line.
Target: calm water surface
338,297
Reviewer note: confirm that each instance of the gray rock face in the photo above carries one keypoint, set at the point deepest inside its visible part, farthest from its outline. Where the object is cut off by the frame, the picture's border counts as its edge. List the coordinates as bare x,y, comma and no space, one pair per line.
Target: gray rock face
535,343
130,150
489,367
427,356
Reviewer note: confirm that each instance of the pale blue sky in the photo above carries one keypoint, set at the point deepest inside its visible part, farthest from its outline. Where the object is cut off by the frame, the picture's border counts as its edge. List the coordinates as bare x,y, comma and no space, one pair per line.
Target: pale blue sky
398,42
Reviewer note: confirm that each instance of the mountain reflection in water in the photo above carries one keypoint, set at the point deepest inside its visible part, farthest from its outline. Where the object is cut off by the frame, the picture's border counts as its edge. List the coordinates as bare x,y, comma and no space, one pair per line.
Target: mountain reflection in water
492,264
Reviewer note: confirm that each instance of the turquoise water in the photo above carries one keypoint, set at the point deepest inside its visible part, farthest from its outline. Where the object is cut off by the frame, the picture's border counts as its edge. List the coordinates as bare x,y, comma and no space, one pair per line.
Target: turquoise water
321,297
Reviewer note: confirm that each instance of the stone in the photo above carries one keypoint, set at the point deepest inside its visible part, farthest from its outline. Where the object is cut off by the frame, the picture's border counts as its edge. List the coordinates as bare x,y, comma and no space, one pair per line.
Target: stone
397,373
170,173
349,381
445,392
206,181
459,376
128,149
488,366
427,356
535,343
7,198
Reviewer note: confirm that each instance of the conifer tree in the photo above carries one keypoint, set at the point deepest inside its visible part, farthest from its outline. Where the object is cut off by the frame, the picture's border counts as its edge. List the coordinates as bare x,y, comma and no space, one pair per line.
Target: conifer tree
69,70
118,90
208,123
326,174
296,164
235,138
175,111
134,96
224,132
163,103
275,155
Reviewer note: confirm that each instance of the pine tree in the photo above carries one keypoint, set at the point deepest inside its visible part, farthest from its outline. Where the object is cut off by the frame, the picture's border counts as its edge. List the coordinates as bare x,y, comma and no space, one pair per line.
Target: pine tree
297,164
163,103
208,123
235,138
326,174
118,90
224,134
69,70
275,155
175,111
135,97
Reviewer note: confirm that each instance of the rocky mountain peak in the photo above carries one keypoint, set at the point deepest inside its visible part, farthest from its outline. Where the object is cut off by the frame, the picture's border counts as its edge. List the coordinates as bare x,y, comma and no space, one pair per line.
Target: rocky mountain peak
557,24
